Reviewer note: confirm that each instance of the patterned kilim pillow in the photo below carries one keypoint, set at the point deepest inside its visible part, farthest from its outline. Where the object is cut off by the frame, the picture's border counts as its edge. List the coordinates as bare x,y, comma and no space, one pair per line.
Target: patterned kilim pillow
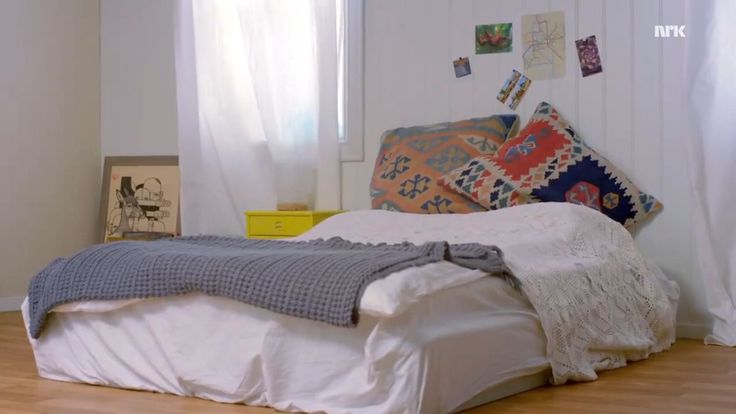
548,161
412,159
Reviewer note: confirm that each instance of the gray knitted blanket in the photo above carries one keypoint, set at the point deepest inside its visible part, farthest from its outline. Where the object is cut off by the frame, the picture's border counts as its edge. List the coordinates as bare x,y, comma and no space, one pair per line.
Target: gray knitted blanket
318,279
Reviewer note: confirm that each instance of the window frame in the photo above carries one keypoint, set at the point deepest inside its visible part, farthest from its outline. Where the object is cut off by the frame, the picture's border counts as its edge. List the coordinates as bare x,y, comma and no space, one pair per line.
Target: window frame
352,144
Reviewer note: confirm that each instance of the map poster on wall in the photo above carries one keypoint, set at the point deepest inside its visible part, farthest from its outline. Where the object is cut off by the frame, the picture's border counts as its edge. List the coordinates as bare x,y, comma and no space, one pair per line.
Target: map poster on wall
543,38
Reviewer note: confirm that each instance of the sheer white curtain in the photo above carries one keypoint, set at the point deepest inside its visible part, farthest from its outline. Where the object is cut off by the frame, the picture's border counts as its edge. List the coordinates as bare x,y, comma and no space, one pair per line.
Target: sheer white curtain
711,68
257,101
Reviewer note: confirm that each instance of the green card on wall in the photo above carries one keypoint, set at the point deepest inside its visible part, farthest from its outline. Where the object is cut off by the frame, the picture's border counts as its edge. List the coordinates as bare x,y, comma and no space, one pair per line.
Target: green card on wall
493,38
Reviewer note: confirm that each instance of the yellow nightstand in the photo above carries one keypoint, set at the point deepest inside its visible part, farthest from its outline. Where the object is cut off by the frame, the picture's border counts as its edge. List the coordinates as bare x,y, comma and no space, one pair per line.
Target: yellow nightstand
280,224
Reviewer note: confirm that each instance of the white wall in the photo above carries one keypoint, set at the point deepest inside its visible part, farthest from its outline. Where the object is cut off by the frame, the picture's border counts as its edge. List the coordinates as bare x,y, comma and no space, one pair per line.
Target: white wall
633,112
138,80
50,134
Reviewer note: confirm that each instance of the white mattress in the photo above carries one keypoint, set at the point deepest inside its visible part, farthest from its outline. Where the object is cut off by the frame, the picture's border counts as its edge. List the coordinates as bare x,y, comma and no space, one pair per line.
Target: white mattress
430,339
476,338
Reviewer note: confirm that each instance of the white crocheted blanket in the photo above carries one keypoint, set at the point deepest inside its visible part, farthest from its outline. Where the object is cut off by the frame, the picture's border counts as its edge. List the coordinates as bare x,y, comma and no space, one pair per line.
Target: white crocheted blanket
598,301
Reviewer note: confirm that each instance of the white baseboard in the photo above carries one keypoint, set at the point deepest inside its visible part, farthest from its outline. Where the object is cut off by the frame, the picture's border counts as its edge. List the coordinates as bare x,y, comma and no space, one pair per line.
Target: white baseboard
692,331
11,303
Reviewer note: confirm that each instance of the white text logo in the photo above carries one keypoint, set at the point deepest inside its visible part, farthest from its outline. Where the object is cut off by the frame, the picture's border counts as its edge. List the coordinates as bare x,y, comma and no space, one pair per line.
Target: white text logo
669,30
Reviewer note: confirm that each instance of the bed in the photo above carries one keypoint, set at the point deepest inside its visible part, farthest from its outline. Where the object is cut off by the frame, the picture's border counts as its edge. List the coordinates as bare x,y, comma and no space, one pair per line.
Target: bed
434,338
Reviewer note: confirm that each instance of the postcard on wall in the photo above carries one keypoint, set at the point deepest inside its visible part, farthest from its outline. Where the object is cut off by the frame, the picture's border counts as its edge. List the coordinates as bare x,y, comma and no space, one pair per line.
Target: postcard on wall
518,93
590,59
508,86
493,38
543,38
462,67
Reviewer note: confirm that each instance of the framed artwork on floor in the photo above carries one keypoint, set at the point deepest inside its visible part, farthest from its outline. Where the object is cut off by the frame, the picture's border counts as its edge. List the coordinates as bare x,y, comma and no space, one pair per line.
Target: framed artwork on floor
140,198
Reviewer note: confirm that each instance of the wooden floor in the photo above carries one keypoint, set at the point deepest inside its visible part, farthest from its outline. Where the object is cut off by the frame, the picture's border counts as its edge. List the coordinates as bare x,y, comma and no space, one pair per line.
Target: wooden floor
691,378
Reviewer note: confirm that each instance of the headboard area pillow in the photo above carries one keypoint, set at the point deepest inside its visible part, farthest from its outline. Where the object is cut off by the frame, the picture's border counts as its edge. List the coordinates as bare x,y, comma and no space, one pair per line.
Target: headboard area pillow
548,161
411,160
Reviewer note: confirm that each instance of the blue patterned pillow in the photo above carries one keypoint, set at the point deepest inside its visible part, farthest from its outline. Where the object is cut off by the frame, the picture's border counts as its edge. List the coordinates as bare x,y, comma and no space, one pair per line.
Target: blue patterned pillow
548,161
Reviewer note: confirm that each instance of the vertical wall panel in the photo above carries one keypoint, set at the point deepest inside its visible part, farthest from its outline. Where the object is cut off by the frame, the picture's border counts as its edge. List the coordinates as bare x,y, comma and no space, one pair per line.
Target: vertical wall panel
646,148
485,66
383,80
540,89
438,67
506,12
646,113
591,89
492,69
416,54
461,29
382,86
633,113
618,80
564,91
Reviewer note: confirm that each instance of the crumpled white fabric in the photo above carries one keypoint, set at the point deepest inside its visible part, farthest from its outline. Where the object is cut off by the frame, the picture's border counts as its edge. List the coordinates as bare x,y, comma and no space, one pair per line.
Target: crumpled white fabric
599,302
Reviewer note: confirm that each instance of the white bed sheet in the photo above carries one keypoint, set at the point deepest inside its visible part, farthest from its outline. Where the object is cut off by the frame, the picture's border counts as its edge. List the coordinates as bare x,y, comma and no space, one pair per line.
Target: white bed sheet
431,356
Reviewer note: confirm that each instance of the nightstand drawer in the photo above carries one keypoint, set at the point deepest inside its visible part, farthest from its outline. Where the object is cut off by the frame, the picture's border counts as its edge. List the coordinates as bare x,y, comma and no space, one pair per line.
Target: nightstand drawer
278,226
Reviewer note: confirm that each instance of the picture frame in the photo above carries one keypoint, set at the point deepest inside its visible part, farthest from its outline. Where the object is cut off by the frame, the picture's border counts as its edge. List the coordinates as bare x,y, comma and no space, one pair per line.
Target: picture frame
140,194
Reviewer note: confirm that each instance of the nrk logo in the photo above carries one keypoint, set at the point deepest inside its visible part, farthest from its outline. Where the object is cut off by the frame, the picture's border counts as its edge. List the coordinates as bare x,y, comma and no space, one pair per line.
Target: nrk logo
669,30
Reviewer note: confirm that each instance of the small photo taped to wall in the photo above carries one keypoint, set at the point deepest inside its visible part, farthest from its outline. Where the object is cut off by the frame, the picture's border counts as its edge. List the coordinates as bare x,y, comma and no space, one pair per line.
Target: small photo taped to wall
462,67
518,93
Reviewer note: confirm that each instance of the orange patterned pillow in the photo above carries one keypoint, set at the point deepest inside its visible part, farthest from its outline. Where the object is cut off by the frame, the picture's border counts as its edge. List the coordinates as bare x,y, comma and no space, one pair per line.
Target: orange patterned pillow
411,160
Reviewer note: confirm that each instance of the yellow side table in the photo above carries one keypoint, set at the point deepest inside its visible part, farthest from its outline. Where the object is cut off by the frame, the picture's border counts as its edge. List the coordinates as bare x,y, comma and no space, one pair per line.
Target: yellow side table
280,224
